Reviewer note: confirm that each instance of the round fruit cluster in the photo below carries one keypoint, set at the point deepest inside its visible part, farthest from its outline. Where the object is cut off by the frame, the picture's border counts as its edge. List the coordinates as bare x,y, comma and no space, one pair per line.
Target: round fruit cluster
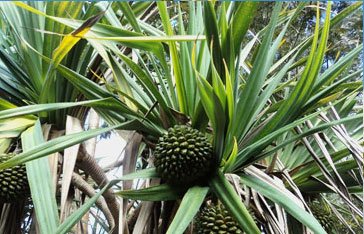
183,155
13,182
216,219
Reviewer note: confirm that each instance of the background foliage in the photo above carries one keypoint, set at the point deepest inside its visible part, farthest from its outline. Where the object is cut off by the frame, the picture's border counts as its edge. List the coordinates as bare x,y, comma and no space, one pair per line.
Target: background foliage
274,86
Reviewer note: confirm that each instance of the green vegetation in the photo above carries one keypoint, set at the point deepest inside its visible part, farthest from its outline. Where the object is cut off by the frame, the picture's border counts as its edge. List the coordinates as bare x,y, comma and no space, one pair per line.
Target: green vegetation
247,105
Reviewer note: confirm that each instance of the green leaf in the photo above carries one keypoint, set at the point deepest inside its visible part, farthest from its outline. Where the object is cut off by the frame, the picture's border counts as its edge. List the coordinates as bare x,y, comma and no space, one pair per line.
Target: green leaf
230,100
4,105
218,85
146,39
232,157
146,81
13,127
142,174
66,45
226,193
220,112
317,183
189,78
58,144
60,9
120,80
181,92
33,109
248,100
129,15
190,205
314,101
244,156
212,36
333,71
239,25
292,107
163,192
206,92
103,30
40,182
215,112
71,39
311,167
284,200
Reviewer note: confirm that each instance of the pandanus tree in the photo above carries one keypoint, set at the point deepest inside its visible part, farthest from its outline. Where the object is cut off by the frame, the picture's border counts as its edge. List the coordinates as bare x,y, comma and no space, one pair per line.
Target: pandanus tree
231,133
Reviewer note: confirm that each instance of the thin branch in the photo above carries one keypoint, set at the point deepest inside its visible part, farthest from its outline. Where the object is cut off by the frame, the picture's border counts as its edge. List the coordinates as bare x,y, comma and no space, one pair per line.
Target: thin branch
87,189
88,164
